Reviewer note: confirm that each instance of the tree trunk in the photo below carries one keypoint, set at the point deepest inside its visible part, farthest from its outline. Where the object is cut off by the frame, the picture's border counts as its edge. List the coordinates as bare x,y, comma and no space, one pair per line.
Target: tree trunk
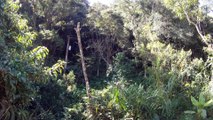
67,52
98,67
78,29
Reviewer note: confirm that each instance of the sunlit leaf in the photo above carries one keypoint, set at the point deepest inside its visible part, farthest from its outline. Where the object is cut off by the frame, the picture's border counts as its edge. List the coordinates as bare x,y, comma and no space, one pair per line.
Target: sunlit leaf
209,103
194,101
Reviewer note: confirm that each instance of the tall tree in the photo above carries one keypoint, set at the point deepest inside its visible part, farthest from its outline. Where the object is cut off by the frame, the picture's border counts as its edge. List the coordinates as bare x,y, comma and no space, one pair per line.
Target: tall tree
78,29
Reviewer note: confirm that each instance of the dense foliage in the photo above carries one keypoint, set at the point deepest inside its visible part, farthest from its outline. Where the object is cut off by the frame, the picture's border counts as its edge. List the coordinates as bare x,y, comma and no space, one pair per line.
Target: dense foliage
145,60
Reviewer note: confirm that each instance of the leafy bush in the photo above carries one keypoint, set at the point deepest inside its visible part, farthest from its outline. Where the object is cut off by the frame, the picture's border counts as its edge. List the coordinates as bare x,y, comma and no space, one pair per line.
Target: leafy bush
105,104
167,86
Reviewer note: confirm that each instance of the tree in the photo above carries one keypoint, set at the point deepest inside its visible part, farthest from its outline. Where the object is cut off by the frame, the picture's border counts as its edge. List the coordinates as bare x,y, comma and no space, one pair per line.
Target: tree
189,9
108,34
78,29
52,20
20,66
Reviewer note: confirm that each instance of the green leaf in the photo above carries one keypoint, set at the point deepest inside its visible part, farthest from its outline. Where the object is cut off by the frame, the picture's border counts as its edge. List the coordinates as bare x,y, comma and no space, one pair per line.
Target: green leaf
194,101
156,117
203,113
202,99
189,112
209,103
96,109
109,105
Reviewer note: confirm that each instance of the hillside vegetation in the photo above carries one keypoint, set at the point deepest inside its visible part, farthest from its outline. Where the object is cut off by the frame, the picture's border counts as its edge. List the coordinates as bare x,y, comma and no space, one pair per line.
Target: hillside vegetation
132,60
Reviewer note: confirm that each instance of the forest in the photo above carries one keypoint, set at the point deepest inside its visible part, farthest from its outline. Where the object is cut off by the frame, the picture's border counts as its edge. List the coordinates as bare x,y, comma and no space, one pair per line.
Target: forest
131,60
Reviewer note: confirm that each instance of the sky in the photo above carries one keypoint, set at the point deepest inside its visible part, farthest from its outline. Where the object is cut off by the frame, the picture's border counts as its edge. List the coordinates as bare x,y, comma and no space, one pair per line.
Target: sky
106,2
208,3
